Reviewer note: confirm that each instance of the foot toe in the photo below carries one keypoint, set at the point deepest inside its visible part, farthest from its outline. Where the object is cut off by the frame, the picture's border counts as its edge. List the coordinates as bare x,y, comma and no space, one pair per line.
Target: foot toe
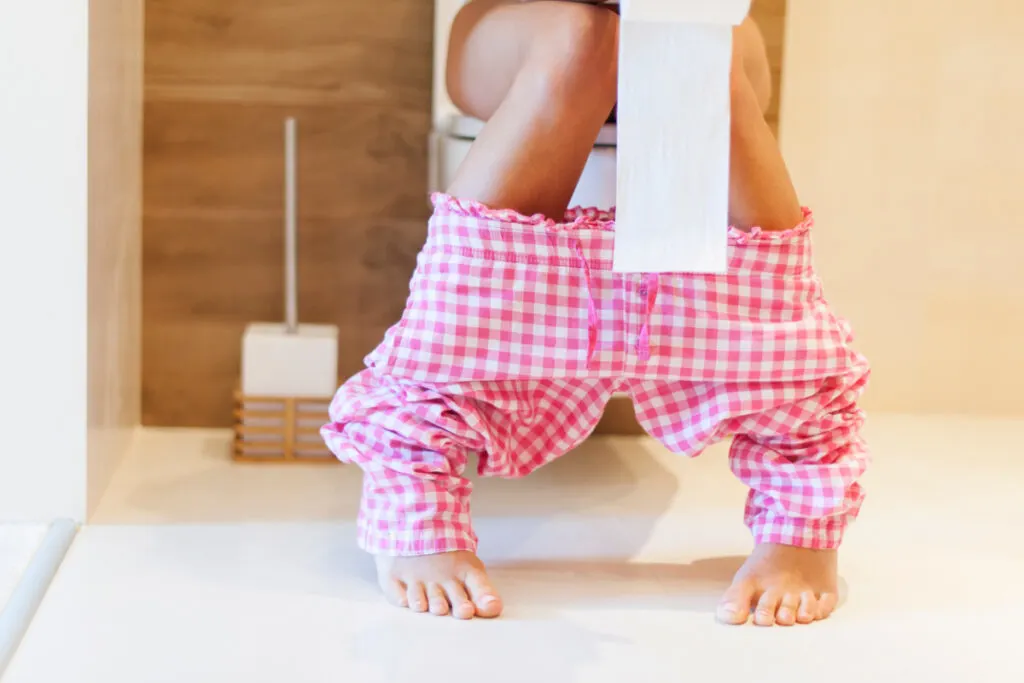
827,604
462,606
437,600
394,592
485,598
808,610
417,595
735,605
767,607
788,606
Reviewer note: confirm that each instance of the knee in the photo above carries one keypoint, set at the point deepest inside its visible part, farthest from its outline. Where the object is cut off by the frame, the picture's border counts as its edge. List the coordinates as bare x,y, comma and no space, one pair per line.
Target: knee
576,52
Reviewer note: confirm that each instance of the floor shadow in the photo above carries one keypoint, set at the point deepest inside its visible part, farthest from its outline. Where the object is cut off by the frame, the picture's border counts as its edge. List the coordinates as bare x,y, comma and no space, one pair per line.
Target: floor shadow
600,502
594,488
542,588
402,647
541,634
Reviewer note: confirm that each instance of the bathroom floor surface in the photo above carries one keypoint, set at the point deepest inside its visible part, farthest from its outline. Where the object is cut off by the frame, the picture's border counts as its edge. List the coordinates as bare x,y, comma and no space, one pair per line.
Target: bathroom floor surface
610,560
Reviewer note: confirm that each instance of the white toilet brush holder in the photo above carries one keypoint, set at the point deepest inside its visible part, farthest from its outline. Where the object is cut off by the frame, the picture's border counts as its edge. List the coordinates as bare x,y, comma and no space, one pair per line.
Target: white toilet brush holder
289,370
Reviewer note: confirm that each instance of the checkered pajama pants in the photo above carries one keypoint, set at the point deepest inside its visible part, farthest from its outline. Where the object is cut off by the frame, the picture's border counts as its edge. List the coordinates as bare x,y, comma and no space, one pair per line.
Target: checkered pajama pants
517,333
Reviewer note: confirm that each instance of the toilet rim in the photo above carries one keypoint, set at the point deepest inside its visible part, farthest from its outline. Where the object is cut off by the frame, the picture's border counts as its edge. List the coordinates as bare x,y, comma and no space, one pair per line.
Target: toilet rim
468,128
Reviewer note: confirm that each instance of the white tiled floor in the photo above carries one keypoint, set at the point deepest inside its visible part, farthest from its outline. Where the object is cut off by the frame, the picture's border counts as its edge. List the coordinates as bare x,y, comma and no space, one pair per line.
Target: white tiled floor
610,560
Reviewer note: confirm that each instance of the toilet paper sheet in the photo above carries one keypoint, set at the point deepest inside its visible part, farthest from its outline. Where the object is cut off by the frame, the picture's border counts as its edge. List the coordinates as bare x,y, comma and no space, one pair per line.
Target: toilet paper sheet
673,134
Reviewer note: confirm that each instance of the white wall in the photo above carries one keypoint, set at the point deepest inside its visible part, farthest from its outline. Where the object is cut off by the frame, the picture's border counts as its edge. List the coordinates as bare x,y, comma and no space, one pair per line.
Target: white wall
902,125
43,224
69,255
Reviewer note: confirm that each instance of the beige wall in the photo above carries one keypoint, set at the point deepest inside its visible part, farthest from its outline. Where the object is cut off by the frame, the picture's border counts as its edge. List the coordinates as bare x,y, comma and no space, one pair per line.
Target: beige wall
115,194
902,123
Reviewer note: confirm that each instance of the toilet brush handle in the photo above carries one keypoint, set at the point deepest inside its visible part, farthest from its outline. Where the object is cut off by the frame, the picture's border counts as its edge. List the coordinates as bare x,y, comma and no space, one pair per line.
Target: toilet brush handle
291,295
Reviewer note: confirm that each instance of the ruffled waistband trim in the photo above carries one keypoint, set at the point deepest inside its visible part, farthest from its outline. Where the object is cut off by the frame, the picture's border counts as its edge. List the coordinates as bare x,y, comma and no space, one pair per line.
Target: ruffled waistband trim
593,218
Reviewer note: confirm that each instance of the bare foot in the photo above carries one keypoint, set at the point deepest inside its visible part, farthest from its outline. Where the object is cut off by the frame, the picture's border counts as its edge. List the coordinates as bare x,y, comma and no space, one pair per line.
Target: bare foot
447,583
785,585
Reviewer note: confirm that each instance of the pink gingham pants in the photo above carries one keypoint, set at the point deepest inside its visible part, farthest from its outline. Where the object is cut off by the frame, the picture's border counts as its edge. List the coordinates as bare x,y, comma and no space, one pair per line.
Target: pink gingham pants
517,333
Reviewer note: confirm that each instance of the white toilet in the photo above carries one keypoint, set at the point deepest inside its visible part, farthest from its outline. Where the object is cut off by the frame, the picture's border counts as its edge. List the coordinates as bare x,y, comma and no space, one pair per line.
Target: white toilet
453,132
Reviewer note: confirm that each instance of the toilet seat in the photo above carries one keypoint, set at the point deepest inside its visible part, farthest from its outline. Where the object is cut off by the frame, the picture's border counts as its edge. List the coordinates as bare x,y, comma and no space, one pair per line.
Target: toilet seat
469,128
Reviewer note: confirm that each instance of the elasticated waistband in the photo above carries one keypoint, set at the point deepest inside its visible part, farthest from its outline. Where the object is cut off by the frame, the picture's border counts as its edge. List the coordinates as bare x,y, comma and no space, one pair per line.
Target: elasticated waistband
472,230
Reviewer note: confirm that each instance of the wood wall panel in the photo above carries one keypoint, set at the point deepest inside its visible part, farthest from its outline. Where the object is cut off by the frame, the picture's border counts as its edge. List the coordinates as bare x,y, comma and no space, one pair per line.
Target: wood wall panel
115,237
220,79
291,51
356,160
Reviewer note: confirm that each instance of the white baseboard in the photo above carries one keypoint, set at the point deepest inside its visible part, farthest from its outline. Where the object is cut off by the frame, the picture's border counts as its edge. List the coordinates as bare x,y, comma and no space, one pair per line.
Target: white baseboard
28,593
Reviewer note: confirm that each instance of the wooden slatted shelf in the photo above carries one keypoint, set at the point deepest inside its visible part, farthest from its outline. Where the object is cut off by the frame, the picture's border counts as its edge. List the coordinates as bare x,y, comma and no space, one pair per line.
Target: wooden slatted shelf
280,429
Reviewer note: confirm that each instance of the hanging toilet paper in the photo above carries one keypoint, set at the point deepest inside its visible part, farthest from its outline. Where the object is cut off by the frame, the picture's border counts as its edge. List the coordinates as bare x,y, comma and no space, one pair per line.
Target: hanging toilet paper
672,188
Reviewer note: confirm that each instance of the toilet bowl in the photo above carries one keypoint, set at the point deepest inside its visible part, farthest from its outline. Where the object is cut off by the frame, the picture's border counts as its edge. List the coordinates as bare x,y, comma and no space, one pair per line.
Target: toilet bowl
453,132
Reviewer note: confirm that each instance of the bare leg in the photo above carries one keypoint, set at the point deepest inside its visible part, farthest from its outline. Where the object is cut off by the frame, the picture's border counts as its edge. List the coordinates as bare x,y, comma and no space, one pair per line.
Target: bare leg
760,190
543,76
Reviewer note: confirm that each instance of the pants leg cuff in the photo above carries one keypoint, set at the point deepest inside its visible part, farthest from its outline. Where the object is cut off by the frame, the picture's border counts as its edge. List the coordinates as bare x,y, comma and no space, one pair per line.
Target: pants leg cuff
416,542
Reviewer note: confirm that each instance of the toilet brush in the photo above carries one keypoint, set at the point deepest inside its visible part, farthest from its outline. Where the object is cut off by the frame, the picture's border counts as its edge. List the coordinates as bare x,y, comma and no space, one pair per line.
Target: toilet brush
289,359
286,364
